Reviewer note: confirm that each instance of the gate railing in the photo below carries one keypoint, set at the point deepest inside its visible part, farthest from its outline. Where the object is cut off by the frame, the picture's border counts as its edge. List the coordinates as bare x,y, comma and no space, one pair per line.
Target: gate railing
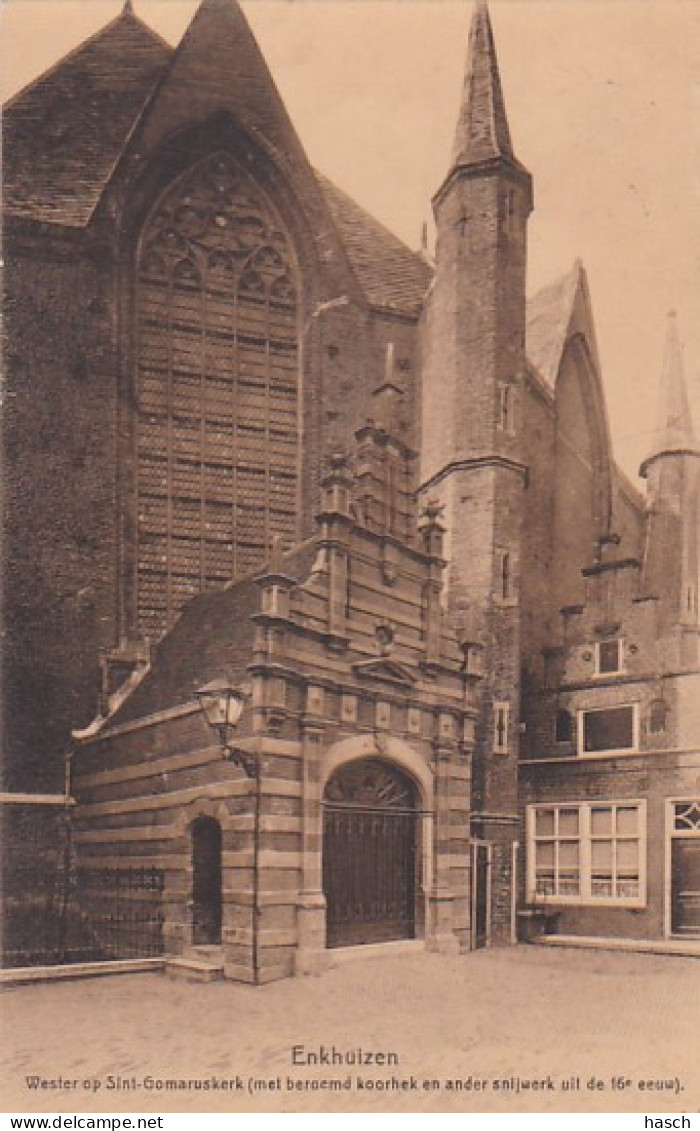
87,915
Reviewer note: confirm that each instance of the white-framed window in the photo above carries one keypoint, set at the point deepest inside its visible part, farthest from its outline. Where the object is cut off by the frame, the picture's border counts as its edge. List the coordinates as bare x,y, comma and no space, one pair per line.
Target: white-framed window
608,730
501,727
609,657
592,852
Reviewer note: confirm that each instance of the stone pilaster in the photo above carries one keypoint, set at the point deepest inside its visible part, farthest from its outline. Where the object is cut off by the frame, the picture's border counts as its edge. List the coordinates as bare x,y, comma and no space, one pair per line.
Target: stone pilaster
311,955
440,936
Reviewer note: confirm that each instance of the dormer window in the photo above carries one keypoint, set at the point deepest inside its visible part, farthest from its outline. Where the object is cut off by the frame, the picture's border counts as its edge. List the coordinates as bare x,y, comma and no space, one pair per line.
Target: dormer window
609,657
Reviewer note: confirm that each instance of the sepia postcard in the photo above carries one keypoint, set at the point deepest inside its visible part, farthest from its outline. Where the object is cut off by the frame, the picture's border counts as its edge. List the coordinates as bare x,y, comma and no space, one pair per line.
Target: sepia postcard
351,548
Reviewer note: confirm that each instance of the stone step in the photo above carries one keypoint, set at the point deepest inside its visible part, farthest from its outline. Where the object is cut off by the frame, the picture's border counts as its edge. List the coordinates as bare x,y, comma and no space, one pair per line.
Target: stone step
681,948
205,952
192,969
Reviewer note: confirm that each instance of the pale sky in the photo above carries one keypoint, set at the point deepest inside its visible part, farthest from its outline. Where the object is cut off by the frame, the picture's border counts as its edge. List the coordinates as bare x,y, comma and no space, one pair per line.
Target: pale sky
603,98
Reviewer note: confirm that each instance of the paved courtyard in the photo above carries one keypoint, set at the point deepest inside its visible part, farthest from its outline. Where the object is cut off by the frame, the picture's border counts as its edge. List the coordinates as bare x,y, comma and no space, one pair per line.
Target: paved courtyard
523,1029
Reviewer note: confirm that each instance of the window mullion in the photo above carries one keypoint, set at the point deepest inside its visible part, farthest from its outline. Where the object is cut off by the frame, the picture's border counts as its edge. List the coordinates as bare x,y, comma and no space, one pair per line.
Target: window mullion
585,849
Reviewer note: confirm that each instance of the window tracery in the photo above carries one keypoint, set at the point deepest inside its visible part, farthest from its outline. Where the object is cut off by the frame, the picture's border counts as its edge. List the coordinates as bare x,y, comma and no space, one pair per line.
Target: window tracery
217,385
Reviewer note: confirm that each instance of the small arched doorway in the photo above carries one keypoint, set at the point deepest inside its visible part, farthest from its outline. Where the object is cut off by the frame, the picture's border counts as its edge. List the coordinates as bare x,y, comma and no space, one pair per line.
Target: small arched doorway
369,854
206,882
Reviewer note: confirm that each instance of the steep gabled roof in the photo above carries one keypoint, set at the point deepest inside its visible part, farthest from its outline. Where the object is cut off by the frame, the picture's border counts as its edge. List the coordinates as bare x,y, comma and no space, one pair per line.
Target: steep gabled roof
390,274
213,635
63,134
556,313
548,314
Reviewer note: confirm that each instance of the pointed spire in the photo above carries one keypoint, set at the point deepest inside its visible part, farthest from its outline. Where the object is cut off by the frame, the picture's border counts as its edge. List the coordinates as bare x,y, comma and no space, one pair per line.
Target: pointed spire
674,432
482,129
128,9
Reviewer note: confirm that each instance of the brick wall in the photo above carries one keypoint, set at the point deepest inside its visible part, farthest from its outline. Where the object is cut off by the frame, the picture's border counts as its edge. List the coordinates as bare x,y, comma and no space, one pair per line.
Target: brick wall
60,533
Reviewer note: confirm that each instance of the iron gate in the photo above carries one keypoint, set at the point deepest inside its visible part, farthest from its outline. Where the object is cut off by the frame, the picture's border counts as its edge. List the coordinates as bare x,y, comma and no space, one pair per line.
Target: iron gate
369,855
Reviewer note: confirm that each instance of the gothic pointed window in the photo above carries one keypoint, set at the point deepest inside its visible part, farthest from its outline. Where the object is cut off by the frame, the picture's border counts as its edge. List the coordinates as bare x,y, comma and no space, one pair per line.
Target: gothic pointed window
217,359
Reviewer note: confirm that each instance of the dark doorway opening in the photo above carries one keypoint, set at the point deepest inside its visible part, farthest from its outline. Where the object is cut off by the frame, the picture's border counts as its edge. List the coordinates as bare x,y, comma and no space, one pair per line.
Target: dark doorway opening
480,895
685,887
206,882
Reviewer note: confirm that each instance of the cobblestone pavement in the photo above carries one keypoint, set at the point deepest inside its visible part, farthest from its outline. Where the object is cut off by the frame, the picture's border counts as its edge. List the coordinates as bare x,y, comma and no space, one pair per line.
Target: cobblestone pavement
523,1029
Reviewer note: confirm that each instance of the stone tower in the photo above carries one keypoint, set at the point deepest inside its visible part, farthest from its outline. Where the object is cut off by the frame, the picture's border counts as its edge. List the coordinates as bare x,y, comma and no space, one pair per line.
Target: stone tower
472,452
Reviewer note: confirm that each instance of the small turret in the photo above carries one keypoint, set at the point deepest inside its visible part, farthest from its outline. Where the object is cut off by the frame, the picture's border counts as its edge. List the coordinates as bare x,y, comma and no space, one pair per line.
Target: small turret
672,472
674,433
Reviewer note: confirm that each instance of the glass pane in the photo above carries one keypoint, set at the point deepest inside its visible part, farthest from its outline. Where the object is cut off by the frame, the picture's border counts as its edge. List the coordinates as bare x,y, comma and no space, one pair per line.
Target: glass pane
608,730
568,822
601,855
569,883
545,884
627,820
627,856
544,855
601,822
609,656
628,888
544,822
687,815
601,887
568,853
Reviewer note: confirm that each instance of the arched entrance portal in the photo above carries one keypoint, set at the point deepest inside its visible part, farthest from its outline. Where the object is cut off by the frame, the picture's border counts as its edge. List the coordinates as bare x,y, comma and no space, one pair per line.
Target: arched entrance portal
369,854
206,882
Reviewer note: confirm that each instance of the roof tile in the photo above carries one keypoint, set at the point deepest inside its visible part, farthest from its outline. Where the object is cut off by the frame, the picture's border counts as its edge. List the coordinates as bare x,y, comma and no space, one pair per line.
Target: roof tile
63,134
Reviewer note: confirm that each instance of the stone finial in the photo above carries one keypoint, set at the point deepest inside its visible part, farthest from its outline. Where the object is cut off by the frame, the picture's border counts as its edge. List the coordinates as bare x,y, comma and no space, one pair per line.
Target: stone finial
433,512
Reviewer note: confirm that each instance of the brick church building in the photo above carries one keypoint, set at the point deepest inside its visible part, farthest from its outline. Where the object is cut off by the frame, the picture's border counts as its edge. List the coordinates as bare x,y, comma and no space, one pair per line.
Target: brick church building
253,440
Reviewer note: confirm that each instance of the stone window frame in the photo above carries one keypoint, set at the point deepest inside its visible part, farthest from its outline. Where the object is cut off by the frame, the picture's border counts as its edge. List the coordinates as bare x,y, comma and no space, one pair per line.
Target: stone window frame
585,838
581,714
